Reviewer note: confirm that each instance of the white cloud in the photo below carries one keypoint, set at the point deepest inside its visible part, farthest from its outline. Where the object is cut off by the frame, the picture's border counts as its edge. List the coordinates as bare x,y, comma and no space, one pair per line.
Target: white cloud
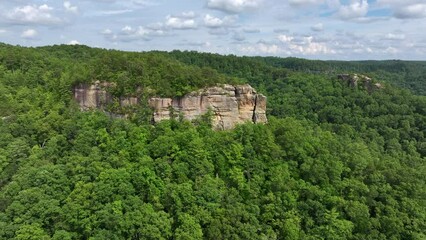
356,9
128,34
285,39
311,47
317,27
393,36
391,50
109,35
393,3
2,31
33,14
127,30
183,22
233,6
112,12
304,45
411,11
29,34
214,22
131,34
74,42
70,8
263,48
106,31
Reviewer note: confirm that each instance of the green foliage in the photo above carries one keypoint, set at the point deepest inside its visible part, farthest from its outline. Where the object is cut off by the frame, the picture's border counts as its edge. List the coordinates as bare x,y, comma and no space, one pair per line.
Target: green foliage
332,163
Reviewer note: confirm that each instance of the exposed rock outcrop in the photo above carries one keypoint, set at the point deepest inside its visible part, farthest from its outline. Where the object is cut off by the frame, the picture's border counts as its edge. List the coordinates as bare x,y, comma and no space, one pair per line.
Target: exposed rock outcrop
230,105
355,80
96,96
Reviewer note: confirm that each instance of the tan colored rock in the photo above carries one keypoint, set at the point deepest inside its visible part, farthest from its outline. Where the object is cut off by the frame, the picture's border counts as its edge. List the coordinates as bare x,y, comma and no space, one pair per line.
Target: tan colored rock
161,108
128,101
92,96
230,105
260,111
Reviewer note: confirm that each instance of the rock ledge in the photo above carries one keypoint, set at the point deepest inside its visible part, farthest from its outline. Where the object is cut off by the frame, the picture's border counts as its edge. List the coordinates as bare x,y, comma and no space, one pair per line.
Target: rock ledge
230,105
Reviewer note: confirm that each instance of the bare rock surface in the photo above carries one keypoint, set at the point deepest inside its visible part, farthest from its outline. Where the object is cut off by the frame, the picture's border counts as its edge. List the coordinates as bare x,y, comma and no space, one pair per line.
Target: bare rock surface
355,80
230,105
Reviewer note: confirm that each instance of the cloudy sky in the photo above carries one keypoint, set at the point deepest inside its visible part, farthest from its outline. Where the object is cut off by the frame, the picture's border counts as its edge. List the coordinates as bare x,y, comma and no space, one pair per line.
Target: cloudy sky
314,29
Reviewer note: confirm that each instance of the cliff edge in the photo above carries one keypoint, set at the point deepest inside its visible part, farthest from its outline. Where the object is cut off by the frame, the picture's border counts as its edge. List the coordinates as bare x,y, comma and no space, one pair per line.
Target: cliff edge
230,105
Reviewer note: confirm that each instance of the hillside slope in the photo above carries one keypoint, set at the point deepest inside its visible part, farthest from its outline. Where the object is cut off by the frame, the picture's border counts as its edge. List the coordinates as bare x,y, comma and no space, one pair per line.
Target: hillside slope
334,162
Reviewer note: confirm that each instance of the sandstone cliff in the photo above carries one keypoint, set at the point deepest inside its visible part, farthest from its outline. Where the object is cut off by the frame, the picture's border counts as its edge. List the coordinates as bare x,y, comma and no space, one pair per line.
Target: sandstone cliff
96,96
354,80
230,105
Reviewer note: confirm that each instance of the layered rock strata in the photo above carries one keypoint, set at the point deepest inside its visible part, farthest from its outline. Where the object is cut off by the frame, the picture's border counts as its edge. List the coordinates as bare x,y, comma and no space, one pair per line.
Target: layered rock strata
229,105
96,96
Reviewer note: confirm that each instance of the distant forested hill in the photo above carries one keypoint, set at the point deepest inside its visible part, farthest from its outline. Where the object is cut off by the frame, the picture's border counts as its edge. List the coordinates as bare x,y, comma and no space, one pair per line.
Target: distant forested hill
407,74
334,161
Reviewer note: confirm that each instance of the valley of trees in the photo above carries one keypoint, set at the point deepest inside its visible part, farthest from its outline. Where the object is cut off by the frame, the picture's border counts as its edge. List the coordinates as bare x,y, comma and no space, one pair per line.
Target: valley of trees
334,162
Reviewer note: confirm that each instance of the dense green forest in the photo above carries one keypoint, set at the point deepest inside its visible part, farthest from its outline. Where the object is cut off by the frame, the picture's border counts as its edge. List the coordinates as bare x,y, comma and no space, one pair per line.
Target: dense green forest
333,162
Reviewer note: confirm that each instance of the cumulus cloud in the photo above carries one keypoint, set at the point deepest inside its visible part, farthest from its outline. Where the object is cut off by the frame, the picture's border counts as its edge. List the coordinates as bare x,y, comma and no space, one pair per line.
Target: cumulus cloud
306,45
393,3
29,34
233,6
317,27
285,39
74,42
214,22
394,36
33,14
70,8
263,48
311,47
391,50
411,11
356,9
130,34
184,21
405,9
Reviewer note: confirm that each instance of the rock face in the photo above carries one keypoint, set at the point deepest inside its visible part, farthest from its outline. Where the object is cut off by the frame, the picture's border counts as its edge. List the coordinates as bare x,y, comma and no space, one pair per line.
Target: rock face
95,96
230,105
354,80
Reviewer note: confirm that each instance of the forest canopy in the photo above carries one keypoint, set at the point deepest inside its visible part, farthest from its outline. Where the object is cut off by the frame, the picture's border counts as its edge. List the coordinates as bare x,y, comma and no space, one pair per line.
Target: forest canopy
333,162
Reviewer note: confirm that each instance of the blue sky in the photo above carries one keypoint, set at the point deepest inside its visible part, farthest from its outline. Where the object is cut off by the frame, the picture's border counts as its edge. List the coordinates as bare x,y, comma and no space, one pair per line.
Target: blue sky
314,29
